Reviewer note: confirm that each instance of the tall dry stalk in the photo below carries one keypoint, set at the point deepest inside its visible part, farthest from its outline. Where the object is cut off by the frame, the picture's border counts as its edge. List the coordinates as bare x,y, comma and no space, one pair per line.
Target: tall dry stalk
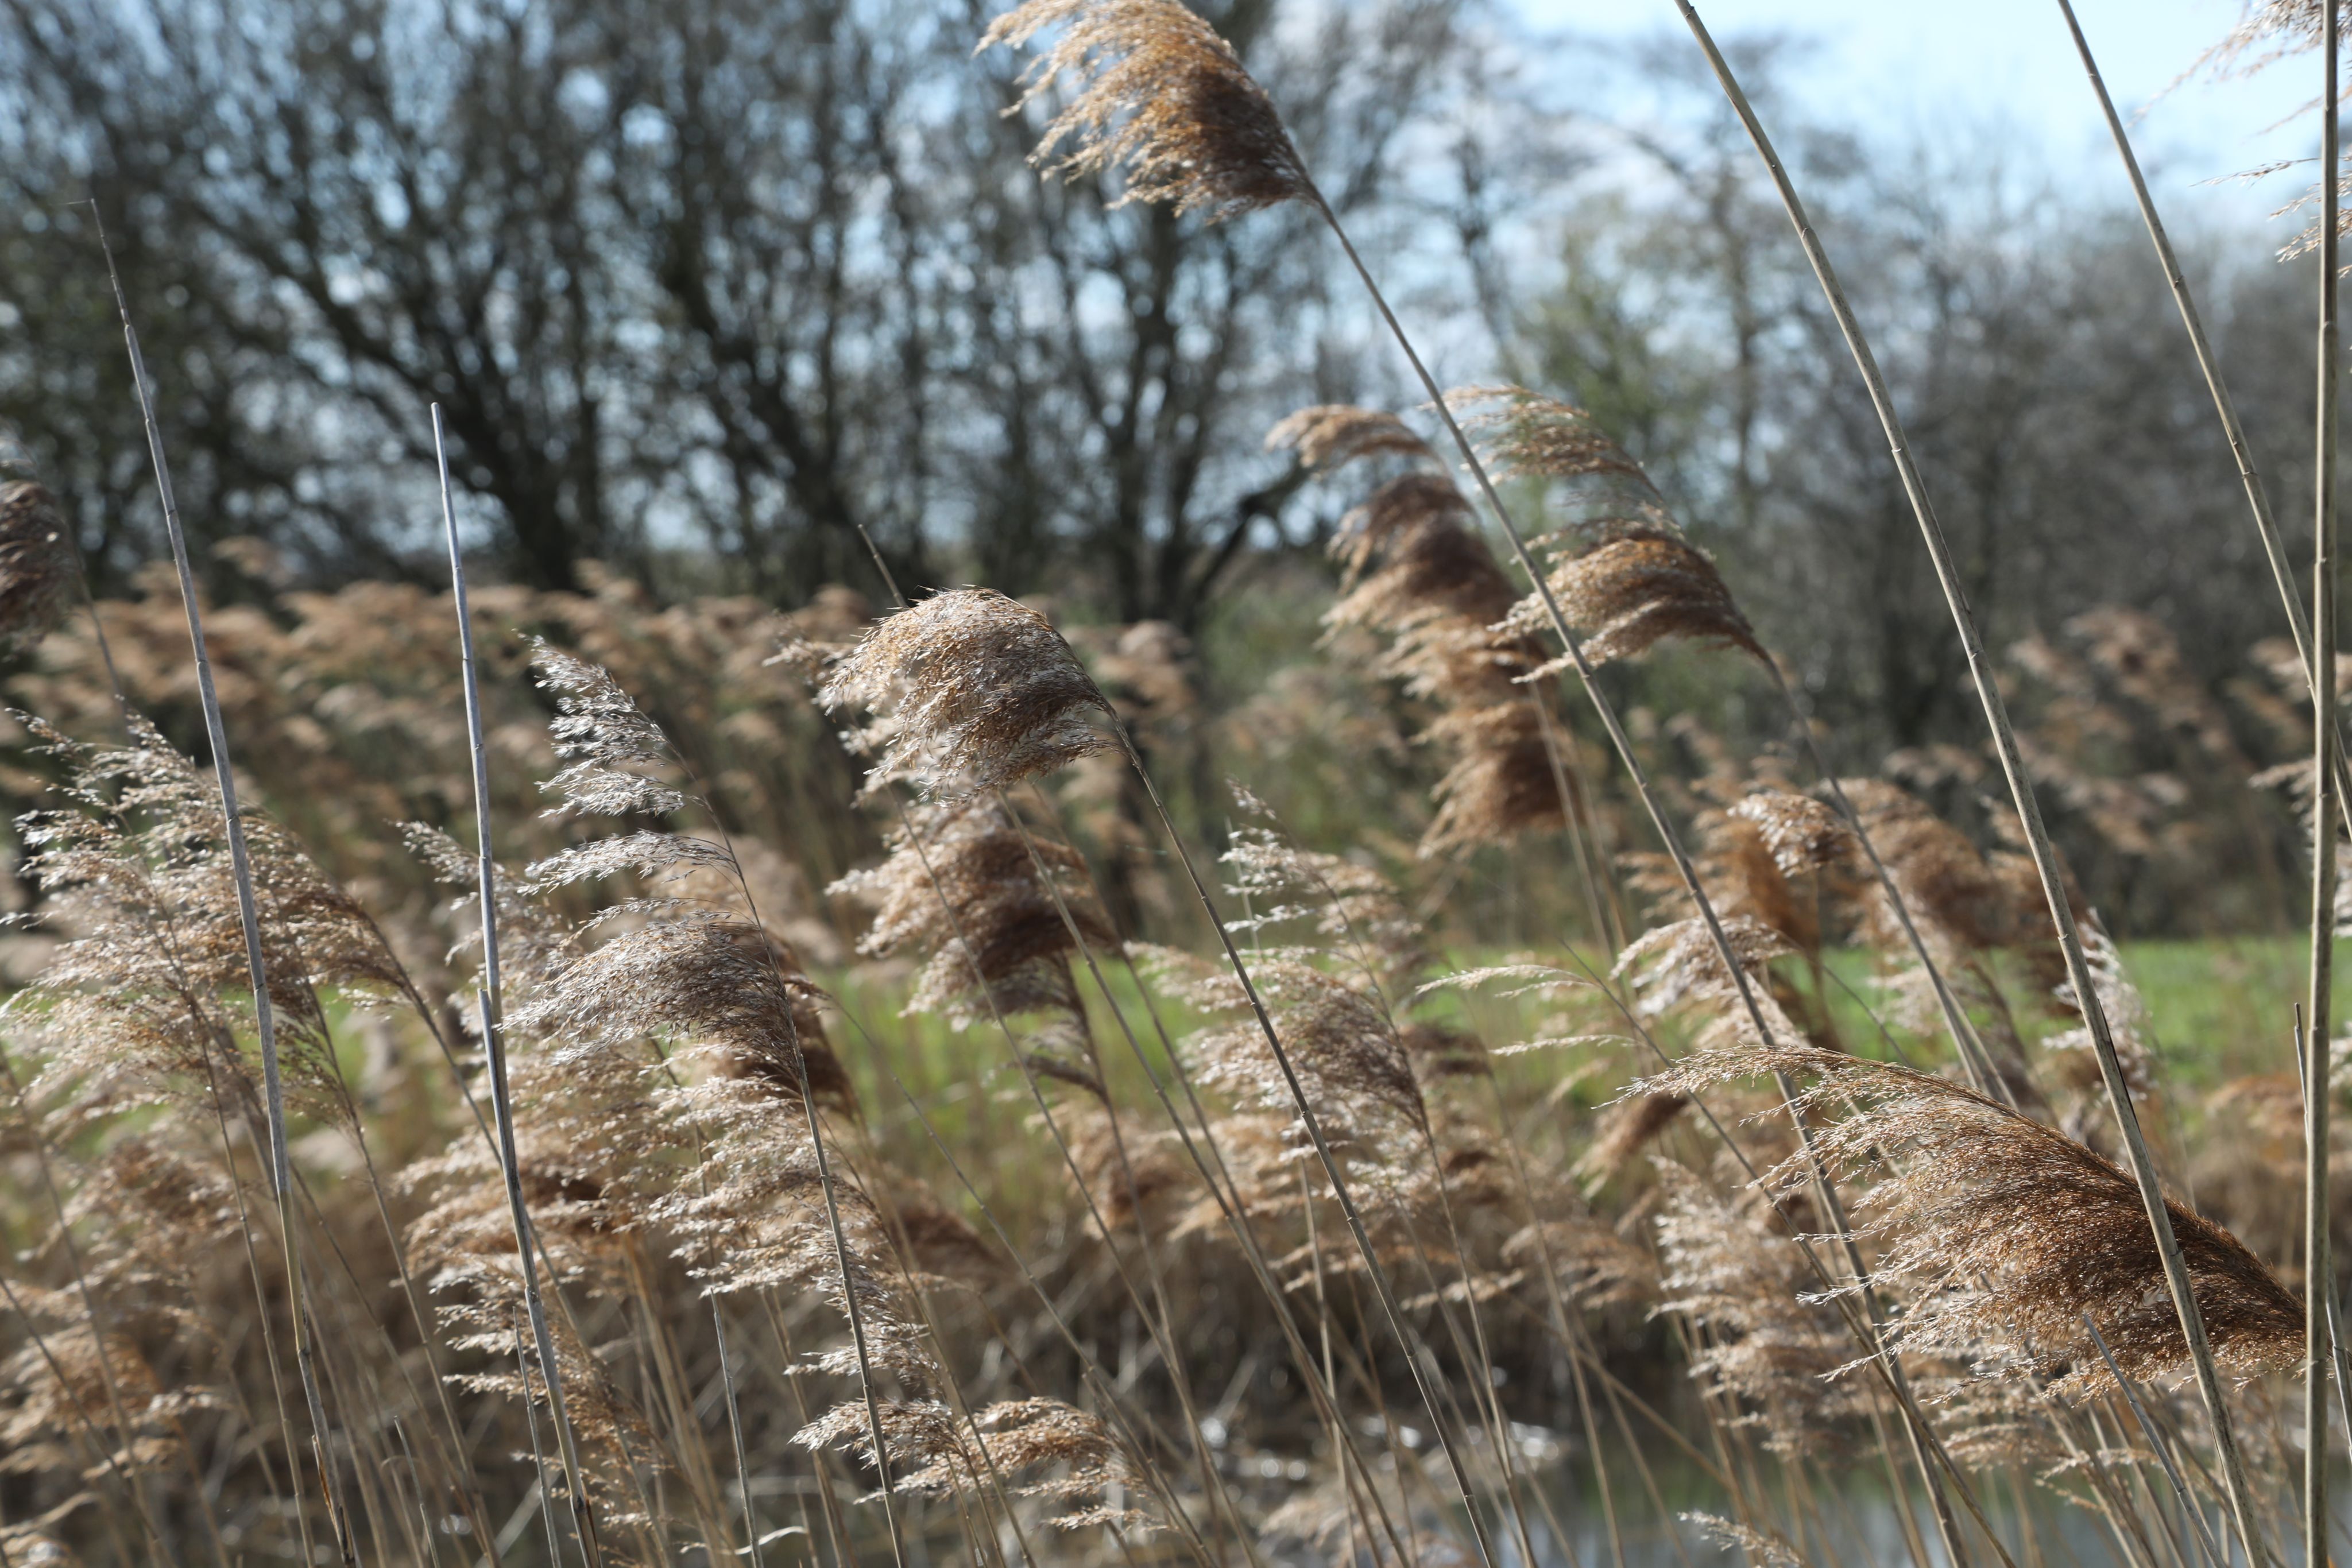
281,1169
2244,1505
2319,1279
489,1003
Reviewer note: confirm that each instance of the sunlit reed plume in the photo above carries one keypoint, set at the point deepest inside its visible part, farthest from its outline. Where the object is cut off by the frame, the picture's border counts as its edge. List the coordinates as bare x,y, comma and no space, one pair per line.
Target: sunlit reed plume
1963,907
2266,31
1346,906
56,1387
702,1010
972,691
1353,1066
1803,835
961,888
137,872
1679,964
1767,1349
1760,1548
1415,569
2007,1232
1621,569
1048,1449
1626,1129
1160,96
1328,436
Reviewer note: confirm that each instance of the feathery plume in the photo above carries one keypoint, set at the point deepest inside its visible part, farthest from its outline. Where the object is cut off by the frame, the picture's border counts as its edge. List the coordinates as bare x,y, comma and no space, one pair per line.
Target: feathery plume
53,1395
1597,1266
934,1454
1761,1549
2011,1232
972,691
1628,1127
1769,1349
1431,566
1680,963
1527,435
1415,569
1328,436
1350,1061
2266,31
765,1203
2126,1011
960,885
1349,906
1959,900
713,983
1504,780
138,874
616,751
1633,593
1160,95
1803,834
1623,570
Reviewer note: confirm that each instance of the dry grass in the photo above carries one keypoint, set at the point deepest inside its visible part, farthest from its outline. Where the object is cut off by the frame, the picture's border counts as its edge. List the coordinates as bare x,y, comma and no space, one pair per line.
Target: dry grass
1326,1250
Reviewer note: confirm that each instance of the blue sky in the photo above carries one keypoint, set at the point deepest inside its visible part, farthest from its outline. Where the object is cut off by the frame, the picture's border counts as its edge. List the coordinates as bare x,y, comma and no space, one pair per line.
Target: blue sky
2009,65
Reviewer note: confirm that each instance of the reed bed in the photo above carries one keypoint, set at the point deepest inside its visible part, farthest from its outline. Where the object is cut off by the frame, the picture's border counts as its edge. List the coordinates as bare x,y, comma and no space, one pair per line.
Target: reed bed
699,1083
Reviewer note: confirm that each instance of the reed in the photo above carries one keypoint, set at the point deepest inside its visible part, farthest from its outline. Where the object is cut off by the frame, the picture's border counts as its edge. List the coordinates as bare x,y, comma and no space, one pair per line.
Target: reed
490,1018
1164,96
2319,1273
798,1269
281,1170
2177,1277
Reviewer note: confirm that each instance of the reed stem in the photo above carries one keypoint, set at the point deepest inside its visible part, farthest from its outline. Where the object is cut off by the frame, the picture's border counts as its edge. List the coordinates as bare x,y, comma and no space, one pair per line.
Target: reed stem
281,1176
2318,1273
491,1001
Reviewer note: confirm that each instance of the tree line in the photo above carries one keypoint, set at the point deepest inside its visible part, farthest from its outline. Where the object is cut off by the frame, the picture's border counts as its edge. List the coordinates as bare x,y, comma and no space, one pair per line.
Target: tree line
712,290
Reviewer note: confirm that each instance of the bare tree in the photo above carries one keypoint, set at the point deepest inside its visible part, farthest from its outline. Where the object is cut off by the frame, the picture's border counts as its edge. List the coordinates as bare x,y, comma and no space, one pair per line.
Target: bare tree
685,275
2051,402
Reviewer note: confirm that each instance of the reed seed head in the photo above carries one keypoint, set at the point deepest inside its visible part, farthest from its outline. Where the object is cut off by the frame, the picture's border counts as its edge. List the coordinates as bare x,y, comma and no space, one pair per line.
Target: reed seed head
1633,593
1329,435
1416,570
2009,1232
961,886
1158,94
973,692
1803,834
